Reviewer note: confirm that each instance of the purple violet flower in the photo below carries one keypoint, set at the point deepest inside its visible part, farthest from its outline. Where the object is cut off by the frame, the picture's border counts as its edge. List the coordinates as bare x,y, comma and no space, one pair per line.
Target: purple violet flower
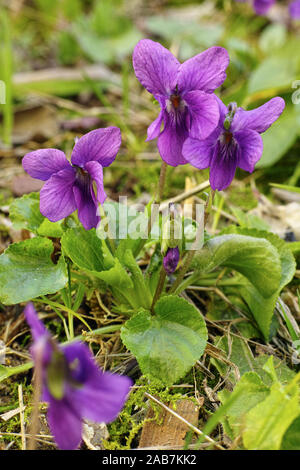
73,385
72,186
294,9
184,92
235,143
171,260
261,7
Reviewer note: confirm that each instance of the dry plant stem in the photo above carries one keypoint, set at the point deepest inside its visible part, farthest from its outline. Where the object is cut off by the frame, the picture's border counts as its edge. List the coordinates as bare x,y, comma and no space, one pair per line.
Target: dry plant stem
159,287
22,421
185,195
34,420
190,425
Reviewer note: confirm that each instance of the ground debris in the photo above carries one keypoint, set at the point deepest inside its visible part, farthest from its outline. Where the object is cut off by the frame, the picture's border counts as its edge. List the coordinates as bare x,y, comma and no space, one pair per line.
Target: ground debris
169,432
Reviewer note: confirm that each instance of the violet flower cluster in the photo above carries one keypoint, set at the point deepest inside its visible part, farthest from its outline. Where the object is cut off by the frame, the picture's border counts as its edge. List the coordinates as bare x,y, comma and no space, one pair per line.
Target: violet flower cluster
236,141
73,385
198,128
75,185
193,126
184,92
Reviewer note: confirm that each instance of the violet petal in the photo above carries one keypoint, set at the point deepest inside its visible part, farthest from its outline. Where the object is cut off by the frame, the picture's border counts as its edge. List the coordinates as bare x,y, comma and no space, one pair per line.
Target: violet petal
259,119
102,394
171,140
199,152
101,145
204,112
205,71
96,172
294,9
155,67
65,423
251,148
42,164
87,209
223,165
154,129
261,7
37,327
56,197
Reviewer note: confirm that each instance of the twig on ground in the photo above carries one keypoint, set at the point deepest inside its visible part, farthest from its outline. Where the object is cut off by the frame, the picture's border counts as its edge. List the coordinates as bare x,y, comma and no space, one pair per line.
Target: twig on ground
22,420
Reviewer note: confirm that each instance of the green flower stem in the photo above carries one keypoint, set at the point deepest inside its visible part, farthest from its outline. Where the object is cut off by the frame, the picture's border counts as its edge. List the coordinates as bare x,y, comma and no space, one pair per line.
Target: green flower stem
157,200
190,255
159,287
187,262
109,237
161,183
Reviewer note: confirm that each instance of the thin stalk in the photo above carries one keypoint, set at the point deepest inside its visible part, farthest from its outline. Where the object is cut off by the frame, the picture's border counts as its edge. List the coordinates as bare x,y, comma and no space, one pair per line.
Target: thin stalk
125,89
6,64
109,236
187,262
157,201
189,257
186,283
64,309
159,287
70,315
37,387
99,331
161,183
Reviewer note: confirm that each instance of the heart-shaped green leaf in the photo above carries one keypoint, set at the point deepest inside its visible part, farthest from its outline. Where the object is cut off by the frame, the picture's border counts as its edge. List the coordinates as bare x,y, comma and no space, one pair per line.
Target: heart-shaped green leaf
25,213
263,307
168,343
256,258
267,422
89,253
27,271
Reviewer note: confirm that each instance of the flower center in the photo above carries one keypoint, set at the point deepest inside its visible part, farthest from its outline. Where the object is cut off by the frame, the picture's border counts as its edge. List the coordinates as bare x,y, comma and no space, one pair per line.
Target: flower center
175,104
83,178
227,136
175,100
80,172
227,143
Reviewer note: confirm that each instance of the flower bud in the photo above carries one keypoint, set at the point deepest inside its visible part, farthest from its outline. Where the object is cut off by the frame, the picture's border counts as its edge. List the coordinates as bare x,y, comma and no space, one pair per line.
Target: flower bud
227,123
172,232
232,107
171,260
